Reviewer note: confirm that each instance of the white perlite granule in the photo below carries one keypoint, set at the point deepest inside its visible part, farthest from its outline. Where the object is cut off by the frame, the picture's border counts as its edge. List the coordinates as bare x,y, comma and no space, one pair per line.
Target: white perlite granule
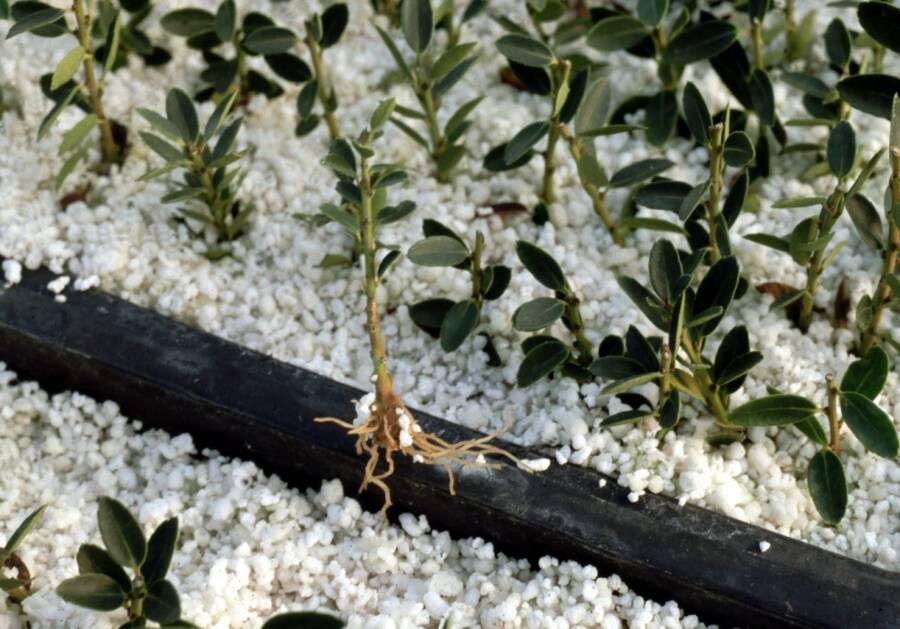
271,296
250,546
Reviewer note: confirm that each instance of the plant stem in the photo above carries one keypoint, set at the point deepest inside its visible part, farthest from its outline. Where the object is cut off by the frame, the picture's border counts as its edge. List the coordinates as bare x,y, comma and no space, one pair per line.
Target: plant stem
84,15
790,30
243,81
322,85
711,397
383,382
756,34
597,196
429,108
477,297
834,424
717,136
829,215
889,257
548,192
575,324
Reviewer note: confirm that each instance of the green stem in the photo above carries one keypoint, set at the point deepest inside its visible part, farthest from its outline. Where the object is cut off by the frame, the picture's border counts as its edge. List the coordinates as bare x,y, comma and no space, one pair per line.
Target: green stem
716,167
84,16
200,170
477,297
829,215
548,191
711,397
243,81
575,323
889,260
834,424
597,196
429,108
756,34
322,86
790,30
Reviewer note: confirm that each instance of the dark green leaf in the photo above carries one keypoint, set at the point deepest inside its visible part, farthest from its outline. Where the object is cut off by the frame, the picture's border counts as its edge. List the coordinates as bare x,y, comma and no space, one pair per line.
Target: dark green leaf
269,40
121,533
542,360
665,271
450,59
734,201
696,113
341,216
866,220
168,152
429,314
616,33
34,21
417,21
289,67
870,93
699,42
438,251
387,262
827,485
524,140
525,50
226,20
660,117
717,289
867,375
773,410
93,591
393,213
537,314
459,322
180,111
692,199
763,96
24,528
395,53
739,150
162,604
94,560
188,22
541,265
841,149
662,195
646,301
334,21
871,425
812,429
652,12
837,43
806,83
880,21
638,172
626,417
160,549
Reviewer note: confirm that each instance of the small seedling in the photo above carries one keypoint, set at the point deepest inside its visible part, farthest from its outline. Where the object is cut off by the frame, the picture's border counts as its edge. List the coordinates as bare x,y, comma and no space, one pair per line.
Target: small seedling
703,202
208,181
673,43
61,87
303,620
253,35
808,242
322,32
546,354
385,426
430,76
18,587
851,403
103,583
886,243
453,322
679,364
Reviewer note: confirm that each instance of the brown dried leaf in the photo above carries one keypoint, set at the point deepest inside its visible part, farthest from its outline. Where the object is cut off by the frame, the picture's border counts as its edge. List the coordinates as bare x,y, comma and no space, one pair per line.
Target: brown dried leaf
842,305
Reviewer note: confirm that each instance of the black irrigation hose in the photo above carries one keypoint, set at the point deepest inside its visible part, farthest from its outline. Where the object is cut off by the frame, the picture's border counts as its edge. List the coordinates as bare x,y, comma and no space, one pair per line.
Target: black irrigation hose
245,404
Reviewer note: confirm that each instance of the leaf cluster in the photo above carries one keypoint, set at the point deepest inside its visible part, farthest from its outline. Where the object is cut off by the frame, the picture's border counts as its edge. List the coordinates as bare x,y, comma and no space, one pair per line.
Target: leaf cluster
206,157
322,31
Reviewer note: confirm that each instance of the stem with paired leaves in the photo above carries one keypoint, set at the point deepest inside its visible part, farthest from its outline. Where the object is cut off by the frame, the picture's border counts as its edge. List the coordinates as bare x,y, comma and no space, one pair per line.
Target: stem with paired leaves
597,196
84,16
711,397
322,84
834,424
831,211
890,255
717,134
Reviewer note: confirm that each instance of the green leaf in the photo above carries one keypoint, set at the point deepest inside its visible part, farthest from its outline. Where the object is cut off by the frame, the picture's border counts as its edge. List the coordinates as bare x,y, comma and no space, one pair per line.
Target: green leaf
666,271
798,202
717,289
538,314
459,322
837,43
595,106
438,251
341,216
429,314
652,12
868,375
626,417
382,113
10,585
616,33
167,151
734,368
827,485
617,368
813,430
181,113
417,22
289,67
699,42
738,150
67,67
541,361
866,220
334,21
393,213
647,302
74,136
54,113
653,224
226,20
762,96
450,59
773,410
303,620
662,195
188,22
34,21
113,37
841,149
696,113
880,21
25,527
270,40
162,604
93,591
660,117
542,266
524,140
160,123
121,534
806,83
870,93
525,50
787,299
871,425
620,386
395,53
692,199
160,550
94,560
638,172
384,266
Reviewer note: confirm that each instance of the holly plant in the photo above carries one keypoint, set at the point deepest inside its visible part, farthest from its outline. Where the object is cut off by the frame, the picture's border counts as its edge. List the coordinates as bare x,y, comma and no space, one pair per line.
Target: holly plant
103,582
454,322
430,75
209,185
852,402
18,587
